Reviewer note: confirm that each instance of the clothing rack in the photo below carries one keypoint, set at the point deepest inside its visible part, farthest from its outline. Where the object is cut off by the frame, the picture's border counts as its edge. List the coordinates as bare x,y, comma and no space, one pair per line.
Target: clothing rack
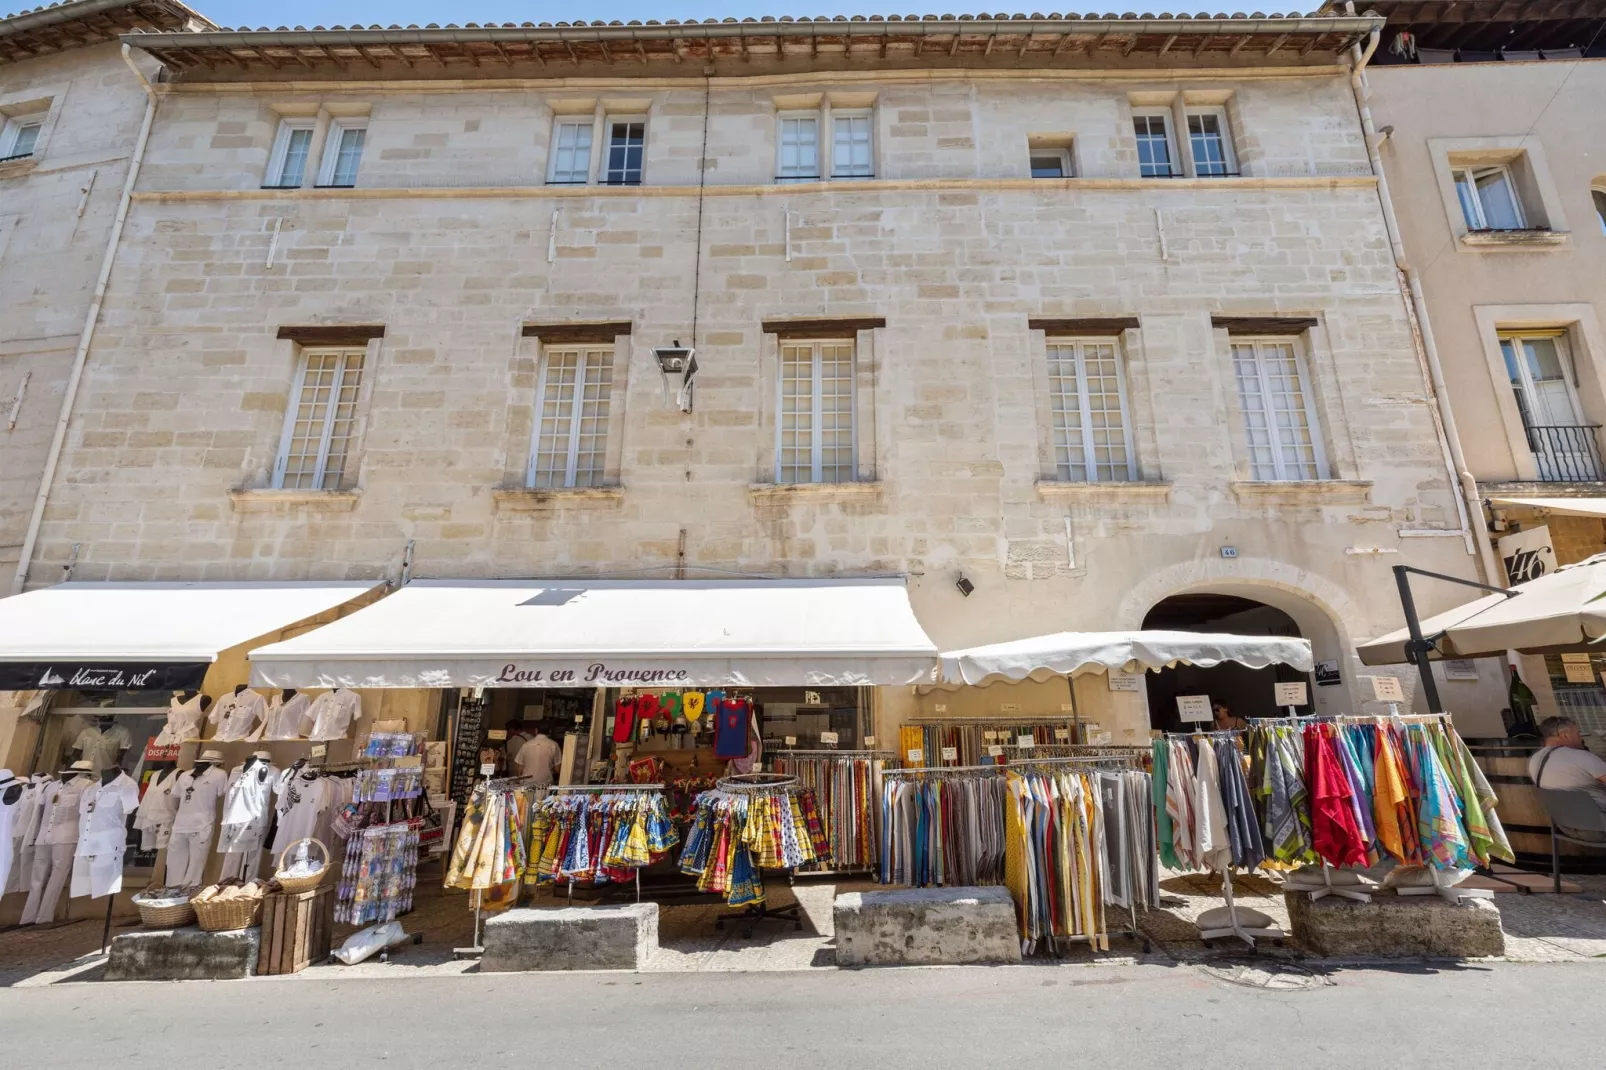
761,784
605,787
846,785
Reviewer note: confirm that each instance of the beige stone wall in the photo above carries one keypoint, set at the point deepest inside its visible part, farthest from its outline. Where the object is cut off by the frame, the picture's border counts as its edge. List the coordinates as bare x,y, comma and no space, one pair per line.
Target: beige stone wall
1552,110
56,213
188,384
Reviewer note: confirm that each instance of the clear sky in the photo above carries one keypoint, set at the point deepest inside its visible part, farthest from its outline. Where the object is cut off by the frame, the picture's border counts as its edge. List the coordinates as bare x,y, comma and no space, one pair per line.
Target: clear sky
275,13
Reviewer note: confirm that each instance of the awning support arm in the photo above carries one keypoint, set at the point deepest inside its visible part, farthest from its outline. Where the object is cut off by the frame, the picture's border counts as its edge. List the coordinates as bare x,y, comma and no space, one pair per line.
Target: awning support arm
1418,647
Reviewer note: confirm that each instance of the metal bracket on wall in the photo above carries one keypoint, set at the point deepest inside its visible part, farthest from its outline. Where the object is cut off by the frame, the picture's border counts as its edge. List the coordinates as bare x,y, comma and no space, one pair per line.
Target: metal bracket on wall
16,402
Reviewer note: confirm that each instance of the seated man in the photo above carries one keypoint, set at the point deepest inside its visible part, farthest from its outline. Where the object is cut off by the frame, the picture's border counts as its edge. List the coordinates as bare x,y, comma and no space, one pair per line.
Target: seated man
1564,763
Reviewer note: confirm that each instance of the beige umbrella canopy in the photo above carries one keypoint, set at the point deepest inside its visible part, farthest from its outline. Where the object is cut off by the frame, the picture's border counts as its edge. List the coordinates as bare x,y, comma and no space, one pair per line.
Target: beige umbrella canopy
1555,613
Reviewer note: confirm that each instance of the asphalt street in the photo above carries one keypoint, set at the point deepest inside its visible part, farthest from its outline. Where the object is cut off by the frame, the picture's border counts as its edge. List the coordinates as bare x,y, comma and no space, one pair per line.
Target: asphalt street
1103,1016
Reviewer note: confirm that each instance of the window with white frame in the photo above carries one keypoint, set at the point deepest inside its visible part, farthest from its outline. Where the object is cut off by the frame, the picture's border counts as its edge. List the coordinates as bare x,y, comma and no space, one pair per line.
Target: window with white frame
814,429
797,143
1092,439
1051,163
1599,197
1209,143
571,417
571,152
342,153
852,144
1489,198
20,136
627,145
1279,412
287,164
1155,156
321,423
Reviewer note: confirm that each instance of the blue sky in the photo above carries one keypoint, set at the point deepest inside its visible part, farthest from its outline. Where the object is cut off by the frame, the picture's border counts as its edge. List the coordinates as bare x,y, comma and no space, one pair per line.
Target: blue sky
275,13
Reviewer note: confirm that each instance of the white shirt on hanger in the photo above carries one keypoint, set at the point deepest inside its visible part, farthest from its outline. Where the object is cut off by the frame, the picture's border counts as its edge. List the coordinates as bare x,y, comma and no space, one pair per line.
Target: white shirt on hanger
103,747
58,819
237,715
332,713
284,720
198,798
103,811
250,795
301,803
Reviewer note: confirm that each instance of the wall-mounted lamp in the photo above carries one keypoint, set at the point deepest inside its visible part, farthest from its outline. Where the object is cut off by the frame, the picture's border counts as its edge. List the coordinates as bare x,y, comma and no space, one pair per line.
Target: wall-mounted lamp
964,585
678,365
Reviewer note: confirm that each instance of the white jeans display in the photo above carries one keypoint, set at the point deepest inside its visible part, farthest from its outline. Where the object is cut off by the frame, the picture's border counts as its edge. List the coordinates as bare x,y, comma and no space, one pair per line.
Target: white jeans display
21,868
186,858
243,864
51,865
97,875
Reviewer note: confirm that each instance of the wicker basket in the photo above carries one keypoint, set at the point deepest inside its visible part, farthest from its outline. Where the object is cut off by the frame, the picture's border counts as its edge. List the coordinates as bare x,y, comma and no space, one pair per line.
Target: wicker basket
165,917
224,915
301,884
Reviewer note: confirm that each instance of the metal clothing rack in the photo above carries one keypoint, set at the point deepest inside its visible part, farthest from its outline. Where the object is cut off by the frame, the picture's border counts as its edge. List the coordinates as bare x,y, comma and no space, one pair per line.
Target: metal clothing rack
599,789
487,785
761,784
832,752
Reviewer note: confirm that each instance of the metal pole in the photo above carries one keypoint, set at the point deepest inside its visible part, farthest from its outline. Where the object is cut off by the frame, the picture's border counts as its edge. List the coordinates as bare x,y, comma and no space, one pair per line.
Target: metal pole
1417,648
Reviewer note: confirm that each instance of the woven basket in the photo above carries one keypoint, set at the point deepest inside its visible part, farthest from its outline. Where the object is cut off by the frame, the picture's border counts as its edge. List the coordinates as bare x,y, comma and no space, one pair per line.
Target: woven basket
302,884
219,916
165,917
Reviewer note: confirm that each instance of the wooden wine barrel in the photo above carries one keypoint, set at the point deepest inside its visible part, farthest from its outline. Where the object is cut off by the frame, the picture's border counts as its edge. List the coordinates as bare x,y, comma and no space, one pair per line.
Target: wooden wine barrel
1505,763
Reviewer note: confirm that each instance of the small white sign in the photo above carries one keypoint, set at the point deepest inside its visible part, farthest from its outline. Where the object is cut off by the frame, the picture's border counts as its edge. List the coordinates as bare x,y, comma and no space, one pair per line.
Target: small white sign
989,733
1101,738
791,741
496,734
1193,707
320,749
831,737
488,769
1066,707
950,754
1025,741
1010,707
941,707
1460,669
869,741
1125,681
1577,669
995,751
1291,694
1062,734
1387,689
916,755
812,698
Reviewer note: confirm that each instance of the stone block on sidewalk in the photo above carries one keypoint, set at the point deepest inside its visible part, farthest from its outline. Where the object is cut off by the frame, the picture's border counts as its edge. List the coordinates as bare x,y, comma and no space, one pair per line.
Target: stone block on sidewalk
570,938
926,927
1393,926
184,954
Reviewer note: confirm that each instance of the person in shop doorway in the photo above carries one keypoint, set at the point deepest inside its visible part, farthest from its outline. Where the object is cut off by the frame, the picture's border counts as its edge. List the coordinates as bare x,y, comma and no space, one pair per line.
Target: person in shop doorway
538,757
1225,721
1564,763
518,734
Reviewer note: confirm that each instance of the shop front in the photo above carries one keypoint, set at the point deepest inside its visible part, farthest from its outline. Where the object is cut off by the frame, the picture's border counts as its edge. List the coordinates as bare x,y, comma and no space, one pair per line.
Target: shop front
109,688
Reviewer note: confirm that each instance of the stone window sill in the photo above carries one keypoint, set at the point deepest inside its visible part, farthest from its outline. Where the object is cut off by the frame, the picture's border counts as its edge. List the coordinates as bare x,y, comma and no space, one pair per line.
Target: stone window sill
1514,239
1303,492
1106,493
268,500
534,499
18,168
781,493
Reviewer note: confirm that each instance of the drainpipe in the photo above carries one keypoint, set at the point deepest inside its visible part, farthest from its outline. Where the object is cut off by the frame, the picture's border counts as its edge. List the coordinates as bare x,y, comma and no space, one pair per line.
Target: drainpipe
1468,502
87,335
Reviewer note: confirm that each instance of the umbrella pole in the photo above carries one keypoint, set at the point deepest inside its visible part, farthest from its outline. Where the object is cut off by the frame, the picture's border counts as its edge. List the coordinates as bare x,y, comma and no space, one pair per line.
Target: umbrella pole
1418,647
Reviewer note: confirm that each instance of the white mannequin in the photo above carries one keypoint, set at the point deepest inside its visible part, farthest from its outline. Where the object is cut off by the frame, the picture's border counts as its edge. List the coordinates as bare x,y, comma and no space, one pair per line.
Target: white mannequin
247,808
54,847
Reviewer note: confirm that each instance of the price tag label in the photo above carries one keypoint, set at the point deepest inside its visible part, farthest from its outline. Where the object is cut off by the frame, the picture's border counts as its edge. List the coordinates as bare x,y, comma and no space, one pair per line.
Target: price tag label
1290,694
995,751
496,733
869,741
916,755
989,734
950,754
410,761
828,737
1025,741
1010,707
1101,738
941,707
1387,689
1193,707
791,741
1062,733
1576,669
488,769
579,720
319,750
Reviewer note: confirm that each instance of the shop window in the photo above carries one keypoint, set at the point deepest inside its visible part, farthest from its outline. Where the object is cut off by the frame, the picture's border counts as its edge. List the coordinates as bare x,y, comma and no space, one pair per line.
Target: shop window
814,442
321,424
571,428
1279,412
287,163
1092,437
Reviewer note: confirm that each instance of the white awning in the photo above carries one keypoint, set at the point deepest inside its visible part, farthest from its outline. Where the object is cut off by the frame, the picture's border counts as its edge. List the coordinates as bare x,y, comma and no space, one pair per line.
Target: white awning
1564,506
1075,653
577,633
96,630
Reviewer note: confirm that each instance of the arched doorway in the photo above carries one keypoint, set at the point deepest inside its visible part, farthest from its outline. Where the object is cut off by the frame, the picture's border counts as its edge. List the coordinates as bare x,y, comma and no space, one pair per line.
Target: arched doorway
1247,692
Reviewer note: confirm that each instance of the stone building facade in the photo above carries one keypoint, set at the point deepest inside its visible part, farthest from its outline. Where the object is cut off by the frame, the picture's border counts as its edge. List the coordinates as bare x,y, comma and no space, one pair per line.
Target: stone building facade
889,354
